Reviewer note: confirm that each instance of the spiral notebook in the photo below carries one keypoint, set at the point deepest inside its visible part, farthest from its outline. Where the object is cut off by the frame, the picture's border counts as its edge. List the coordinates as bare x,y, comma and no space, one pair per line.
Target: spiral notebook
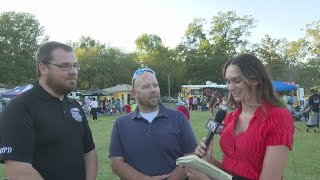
199,164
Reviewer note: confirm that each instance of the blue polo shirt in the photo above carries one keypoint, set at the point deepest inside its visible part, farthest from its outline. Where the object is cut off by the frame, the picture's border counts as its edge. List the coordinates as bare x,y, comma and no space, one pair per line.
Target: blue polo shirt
152,148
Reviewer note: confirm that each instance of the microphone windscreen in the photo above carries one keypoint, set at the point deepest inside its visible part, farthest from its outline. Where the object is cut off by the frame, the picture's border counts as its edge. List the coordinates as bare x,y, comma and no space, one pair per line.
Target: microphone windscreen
221,114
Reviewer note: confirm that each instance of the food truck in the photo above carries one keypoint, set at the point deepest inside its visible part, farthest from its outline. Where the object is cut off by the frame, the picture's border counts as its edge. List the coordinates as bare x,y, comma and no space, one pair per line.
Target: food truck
202,90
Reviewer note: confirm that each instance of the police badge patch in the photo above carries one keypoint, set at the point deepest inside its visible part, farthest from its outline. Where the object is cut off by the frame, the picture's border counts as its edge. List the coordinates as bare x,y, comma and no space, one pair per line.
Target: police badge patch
75,112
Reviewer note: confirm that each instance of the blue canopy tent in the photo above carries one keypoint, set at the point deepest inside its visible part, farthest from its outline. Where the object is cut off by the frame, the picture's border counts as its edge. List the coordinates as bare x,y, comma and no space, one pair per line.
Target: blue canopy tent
16,91
280,86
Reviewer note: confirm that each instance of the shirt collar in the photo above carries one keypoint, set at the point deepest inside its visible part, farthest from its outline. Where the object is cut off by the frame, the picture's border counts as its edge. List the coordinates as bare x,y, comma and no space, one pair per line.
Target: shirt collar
42,93
162,112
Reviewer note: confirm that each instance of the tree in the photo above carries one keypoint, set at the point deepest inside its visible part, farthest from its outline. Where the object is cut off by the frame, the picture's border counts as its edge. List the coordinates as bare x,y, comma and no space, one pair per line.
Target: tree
102,66
20,36
228,34
272,52
152,53
205,51
312,65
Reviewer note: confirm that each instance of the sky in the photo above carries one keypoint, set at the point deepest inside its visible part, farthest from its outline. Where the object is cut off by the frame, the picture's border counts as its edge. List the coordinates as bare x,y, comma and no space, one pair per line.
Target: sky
118,23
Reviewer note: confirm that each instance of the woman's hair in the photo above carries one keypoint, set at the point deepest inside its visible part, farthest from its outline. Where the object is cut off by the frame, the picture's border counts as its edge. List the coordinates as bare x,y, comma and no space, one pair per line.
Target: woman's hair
251,71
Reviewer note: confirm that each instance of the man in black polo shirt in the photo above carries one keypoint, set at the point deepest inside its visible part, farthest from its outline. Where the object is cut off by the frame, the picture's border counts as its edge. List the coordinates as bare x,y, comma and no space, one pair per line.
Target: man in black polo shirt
43,133
146,143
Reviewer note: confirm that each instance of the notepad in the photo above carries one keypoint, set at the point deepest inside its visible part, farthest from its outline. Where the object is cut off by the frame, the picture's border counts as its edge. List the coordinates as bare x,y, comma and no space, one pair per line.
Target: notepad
201,165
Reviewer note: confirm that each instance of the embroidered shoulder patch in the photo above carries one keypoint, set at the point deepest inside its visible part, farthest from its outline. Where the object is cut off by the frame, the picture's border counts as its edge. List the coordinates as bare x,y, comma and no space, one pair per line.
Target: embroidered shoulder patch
75,112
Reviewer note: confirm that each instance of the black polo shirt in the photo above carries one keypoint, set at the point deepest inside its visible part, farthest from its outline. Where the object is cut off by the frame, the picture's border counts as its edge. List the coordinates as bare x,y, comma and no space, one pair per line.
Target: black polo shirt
314,102
51,134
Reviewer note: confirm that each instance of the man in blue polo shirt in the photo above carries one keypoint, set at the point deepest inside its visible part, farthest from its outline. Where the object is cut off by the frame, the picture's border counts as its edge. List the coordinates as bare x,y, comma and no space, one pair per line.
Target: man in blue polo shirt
146,143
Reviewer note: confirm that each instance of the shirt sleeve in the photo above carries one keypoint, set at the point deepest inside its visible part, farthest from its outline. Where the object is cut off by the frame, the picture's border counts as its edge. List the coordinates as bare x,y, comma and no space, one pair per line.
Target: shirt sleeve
17,137
88,143
281,128
189,142
115,147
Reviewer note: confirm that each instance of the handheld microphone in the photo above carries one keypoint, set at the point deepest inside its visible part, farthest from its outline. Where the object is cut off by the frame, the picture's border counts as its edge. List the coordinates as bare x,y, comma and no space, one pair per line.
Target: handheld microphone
213,125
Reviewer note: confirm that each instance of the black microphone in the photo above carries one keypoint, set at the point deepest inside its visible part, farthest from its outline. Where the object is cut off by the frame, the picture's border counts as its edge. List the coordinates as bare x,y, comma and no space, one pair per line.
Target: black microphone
213,125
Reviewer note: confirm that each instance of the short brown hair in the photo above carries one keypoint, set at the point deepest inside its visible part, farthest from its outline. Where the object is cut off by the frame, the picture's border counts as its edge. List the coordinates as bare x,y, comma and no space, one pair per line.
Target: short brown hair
44,54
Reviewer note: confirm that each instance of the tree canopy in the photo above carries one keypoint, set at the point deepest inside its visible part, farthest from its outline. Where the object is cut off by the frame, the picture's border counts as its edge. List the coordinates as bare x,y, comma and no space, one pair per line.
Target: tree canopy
199,57
20,36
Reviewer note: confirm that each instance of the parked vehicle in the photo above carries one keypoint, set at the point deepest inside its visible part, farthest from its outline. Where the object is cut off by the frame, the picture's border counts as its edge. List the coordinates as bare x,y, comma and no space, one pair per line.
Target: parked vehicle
167,99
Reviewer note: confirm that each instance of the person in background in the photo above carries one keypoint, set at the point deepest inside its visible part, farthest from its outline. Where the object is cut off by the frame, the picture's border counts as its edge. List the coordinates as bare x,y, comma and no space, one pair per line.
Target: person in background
133,104
43,133
113,103
213,102
190,103
290,100
313,108
104,105
224,104
195,103
289,107
258,135
184,110
128,109
204,103
117,107
110,108
146,143
94,108
87,103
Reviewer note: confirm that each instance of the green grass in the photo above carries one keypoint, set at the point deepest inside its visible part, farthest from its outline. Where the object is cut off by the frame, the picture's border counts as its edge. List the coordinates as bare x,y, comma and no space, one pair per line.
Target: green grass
303,163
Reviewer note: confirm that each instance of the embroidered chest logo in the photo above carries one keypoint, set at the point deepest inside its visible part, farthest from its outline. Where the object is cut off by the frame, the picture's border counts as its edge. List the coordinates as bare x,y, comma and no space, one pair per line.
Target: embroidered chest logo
75,112
5,150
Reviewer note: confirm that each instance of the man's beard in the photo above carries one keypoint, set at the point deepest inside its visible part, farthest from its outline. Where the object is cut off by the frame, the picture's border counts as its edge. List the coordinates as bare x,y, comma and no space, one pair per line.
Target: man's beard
60,89
147,103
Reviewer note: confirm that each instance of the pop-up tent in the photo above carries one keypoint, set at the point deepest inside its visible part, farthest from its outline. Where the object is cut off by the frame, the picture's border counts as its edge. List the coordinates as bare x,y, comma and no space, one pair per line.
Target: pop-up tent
280,86
95,91
16,91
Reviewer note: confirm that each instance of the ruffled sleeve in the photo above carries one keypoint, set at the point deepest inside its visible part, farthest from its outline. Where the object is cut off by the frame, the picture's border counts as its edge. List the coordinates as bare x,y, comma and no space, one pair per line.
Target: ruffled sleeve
280,126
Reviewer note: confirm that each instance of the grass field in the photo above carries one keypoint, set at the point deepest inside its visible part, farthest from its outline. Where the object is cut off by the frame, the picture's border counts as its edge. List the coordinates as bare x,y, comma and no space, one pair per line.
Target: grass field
304,162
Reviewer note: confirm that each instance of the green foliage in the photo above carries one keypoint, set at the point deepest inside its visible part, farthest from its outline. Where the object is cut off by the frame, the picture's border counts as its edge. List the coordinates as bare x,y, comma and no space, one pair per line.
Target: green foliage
20,36
152,53
147,43
205,47
102,66
205,52
271,53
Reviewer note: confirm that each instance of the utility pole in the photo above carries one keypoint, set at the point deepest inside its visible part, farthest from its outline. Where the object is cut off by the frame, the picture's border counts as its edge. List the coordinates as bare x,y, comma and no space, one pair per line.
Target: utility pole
169,85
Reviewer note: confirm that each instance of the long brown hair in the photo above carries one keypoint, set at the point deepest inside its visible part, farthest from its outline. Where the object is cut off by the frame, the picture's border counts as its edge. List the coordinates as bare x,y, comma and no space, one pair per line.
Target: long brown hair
251,71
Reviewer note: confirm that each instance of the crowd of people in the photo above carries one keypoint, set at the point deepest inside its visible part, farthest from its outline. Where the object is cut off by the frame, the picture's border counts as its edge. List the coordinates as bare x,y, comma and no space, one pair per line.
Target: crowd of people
50,137
306,111
109,107
212,102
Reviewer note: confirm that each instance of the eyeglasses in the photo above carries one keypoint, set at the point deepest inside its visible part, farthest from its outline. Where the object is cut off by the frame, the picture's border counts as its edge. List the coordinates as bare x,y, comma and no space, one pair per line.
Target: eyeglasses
66,67
140,71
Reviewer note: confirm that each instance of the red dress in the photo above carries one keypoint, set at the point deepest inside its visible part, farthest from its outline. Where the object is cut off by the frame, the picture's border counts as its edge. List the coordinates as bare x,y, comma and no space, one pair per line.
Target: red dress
244,154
